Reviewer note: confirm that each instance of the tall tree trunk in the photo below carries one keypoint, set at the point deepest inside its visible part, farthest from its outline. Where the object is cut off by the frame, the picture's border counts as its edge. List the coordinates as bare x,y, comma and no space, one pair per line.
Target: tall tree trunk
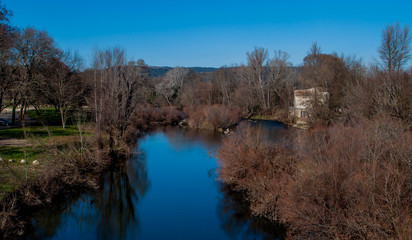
263,93
62,113
95,95
23,105
13,112
1,101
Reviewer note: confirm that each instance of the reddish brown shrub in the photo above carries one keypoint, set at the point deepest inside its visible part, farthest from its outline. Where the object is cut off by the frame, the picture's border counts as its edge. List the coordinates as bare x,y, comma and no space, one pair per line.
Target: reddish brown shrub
250,163
354,182
145,117
195,116
212,116
381,93
220,116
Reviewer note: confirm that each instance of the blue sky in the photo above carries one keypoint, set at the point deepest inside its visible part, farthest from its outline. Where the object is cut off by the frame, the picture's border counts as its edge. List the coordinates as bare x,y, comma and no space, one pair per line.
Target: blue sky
212,33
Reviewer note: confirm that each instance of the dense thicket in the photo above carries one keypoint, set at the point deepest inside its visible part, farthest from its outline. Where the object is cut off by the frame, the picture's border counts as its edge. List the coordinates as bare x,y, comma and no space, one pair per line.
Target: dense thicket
251,163
339,182
353,182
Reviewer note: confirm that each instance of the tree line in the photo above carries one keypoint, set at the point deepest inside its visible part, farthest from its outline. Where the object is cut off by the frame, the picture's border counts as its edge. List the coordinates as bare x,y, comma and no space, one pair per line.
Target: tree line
35,72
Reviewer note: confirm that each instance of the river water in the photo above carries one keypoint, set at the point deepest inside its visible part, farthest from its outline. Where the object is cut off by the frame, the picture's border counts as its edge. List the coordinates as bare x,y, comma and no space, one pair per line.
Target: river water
167,190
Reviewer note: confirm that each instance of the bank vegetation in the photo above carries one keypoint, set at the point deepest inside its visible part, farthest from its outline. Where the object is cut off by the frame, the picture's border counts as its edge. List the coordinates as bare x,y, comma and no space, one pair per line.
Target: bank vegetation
349,175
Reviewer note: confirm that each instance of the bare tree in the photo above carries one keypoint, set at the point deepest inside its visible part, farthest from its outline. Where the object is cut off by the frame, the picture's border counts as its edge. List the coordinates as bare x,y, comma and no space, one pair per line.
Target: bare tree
311,66
256,71
34,49
118,90
7,36
172,83
279,80
394,50
63,87
226,80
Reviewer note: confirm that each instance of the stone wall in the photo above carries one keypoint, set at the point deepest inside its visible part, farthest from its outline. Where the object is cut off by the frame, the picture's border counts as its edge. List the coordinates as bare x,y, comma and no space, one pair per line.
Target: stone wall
302,103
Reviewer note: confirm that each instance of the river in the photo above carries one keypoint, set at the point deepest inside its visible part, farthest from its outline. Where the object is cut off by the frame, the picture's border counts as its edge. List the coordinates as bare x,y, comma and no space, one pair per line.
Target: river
167,190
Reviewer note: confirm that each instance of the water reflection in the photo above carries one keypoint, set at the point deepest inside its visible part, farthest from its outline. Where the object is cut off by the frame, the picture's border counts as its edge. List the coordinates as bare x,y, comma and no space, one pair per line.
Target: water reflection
238,222
181,138
111,210
115,205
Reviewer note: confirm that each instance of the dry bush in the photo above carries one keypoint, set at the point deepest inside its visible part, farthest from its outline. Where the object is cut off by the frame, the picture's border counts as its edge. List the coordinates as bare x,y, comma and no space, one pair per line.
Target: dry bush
167,115
212,116
252,164
52,183
353,183
195,116
146,117
220,116
380,94
83,156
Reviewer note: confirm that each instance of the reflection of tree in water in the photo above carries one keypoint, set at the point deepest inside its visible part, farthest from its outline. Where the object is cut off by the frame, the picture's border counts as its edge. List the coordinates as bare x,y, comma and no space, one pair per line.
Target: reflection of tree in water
46,222
115,205
110,210
237,221
181,138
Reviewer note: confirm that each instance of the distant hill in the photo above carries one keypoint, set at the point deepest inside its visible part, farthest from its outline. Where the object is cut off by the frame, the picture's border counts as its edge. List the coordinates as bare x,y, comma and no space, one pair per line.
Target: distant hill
204,69
160,71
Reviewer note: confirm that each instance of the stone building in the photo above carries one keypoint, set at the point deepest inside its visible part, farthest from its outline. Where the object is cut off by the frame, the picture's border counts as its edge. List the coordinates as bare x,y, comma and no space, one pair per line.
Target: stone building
303,102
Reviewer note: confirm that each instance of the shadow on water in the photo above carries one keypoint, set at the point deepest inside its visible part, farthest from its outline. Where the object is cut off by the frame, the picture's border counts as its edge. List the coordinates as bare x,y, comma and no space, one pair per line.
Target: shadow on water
238,222
180,138
111,210
275,130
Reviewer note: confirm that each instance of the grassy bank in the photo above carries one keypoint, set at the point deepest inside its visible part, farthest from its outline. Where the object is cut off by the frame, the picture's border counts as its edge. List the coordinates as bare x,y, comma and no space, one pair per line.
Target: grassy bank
280,115
57,161
41,144
71,160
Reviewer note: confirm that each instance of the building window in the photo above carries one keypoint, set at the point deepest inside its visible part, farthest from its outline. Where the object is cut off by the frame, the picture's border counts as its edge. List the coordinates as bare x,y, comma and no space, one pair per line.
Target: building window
303,114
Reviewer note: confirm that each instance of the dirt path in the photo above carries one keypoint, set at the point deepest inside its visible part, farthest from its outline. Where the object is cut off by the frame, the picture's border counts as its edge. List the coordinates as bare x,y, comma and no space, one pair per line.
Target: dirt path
12,142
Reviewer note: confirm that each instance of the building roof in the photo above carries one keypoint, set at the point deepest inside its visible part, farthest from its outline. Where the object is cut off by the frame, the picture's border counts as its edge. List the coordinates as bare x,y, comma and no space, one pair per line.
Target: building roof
310,91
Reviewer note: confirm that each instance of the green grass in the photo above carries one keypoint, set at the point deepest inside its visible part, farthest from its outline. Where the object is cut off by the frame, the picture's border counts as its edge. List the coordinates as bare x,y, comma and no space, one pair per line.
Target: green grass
6,187
37,136
39,132
40,140
17,153
48,115
38,149
9,152
8,181
260,117
51,117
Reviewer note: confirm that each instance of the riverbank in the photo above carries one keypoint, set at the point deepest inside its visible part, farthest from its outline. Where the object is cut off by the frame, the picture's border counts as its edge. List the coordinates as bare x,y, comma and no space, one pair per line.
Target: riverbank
282,119
69,161
279,115
324,188
47,164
